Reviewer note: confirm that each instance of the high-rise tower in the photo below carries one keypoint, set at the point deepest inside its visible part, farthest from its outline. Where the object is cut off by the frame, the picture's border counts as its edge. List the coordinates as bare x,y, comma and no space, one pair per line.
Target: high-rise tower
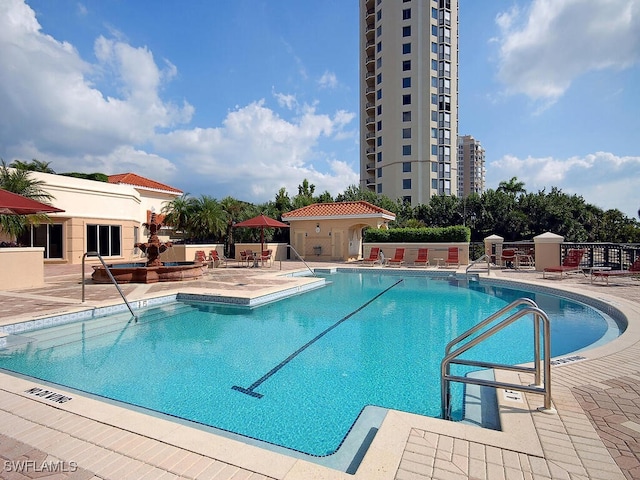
409,98
471,168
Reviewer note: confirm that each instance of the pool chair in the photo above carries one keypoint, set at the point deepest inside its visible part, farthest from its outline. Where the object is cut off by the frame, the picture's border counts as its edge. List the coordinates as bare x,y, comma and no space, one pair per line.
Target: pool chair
374,257
453,258
200,257
398,258
508,258
570,264
266,257
246,256
215,259
634,269
422,258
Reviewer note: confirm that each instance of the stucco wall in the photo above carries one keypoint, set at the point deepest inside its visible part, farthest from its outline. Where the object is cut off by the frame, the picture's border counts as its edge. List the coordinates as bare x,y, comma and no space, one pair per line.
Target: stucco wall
436,251
21,267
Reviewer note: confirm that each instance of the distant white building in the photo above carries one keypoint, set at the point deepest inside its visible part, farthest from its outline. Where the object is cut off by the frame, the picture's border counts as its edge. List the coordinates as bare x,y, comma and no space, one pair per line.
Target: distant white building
471,166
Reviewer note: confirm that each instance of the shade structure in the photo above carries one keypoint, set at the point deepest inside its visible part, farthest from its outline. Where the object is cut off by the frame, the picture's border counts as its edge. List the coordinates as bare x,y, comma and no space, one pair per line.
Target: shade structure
14,204
261,222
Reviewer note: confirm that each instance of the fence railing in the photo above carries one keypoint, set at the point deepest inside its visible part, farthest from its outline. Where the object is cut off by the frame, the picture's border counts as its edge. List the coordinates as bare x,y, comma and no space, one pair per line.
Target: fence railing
617,256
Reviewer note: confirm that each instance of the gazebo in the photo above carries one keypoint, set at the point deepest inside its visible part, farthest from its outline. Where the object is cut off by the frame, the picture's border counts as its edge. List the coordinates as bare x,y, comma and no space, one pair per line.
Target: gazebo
333,231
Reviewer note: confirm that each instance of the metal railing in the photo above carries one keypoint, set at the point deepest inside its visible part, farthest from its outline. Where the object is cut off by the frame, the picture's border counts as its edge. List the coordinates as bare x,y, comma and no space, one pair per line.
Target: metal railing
540,385
113,280
617,256
302,259
486,258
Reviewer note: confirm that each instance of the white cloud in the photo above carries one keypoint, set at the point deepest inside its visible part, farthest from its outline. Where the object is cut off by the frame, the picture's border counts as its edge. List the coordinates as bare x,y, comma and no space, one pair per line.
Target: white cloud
545,48
328,80
601,178
256,152
289,101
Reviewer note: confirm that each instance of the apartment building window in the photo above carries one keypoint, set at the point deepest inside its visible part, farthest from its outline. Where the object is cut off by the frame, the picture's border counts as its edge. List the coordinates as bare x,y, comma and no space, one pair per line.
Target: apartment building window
379,94
406,133
406,99
406,150
434,31
48,236
434,133
434,65
379,188
406,167
379,156
379,62
379,30
445,103
434,167
445,69
434,99
379,171
406,48
379,47
379,141
379,15
406,65
434,150
104,239
434,47
406,199
406,184
434,13
445,52
406,14
379,126
406,31
379,109
379,78
406,116
445,4
445,85
406,82
434,184
434,82
434,116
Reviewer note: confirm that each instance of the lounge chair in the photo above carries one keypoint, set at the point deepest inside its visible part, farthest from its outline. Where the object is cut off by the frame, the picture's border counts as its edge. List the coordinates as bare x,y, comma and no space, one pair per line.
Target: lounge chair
374,257
508,258
571,263
246,256
634,269
266,257
422,258
216,259
453,258
200,257
398,258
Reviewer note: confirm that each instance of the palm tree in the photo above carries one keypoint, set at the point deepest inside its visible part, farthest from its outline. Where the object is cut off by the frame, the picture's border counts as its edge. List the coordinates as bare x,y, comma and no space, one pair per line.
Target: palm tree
179,214
209,220
19,181
32,166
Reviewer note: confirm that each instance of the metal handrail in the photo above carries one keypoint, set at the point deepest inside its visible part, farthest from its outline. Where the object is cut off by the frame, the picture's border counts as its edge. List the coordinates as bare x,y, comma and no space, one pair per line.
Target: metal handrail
305,263
478,260
544,388
113,280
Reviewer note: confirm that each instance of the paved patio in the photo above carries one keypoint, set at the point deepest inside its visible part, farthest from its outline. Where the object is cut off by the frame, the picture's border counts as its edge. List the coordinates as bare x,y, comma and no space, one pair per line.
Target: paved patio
594,435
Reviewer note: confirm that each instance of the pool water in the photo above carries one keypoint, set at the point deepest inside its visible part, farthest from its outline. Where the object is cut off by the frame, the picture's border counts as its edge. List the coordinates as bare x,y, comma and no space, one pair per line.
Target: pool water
184,359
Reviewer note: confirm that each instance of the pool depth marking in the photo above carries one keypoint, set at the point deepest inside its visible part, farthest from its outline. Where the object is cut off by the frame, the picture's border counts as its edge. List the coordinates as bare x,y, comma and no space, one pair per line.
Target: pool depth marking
270,373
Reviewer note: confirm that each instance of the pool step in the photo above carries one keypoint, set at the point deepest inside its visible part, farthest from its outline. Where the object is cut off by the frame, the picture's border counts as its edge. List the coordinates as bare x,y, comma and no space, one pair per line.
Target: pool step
79,331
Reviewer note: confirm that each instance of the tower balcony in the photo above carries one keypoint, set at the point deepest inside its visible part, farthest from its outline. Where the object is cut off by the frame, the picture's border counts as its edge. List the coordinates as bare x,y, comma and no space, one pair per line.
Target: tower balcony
371,151
370,106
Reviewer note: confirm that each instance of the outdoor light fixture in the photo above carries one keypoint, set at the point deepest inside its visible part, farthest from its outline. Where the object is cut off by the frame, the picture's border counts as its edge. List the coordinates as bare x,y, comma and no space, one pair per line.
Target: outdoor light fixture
317,228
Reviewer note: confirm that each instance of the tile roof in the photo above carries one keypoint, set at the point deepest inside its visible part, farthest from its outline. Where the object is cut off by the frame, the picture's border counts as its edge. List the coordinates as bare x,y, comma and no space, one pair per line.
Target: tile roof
138,181
339,209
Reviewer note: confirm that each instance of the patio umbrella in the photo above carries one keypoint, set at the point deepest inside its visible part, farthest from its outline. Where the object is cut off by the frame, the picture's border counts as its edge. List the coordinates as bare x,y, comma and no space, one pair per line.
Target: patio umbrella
261,222
14,204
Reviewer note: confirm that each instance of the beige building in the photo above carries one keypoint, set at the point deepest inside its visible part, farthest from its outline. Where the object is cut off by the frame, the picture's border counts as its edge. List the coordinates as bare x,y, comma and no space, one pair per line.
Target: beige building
409,98
98,216
471,166
333,231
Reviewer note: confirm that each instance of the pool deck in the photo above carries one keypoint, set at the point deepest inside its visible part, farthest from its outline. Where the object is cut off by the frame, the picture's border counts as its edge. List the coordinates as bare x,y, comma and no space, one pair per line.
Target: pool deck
595,433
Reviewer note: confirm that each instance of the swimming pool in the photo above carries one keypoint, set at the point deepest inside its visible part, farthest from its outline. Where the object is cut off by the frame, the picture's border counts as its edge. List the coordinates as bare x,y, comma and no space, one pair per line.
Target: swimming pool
384,340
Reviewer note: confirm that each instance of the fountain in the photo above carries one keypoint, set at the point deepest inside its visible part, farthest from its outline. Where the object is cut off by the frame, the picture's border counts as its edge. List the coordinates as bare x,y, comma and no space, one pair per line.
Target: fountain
154,270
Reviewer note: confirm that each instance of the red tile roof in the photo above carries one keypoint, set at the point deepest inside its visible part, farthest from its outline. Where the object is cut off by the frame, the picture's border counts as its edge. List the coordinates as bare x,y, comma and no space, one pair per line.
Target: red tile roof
339,209
138,181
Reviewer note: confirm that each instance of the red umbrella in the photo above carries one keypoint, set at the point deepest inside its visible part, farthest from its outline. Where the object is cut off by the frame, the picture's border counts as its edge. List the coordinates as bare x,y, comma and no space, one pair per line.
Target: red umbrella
262,222
14,204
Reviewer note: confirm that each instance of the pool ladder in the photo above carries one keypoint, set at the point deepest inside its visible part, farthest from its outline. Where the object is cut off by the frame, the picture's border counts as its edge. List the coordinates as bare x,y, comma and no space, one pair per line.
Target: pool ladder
305,263
486,258
113,280
542,374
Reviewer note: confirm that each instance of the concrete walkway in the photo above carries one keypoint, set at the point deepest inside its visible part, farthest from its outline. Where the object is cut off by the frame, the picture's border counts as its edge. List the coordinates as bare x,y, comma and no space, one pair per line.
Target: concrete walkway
594,435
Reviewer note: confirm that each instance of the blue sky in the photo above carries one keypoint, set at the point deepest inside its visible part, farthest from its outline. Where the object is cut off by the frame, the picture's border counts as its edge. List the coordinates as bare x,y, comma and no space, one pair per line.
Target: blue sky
243,97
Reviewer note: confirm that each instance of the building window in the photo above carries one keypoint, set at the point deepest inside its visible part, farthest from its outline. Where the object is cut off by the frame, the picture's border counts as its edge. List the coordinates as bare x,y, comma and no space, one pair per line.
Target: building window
434,115
406,133
434,99
434,82
379,141
406,116
379,31
379,172
379,78
406,82
379,156
379,94
406,184
406,31
406,99
434,184
379,62
434,150
379,188
406,167
407,199
434,30
379,126
434,12
406,14
379,109
434,47
406,150
406,65
48,236
434,167
406,48
104,239
379,47
434,65
379,15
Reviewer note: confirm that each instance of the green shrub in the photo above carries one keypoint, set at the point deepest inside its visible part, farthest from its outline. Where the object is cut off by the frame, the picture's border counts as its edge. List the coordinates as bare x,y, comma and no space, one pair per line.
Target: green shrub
418,235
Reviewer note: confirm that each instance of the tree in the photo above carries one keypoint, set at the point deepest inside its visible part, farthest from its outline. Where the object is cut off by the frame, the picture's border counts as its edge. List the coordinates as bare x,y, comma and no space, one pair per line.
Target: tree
180,213
233,211
305,195
32,166
19,181
512,188
209,222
